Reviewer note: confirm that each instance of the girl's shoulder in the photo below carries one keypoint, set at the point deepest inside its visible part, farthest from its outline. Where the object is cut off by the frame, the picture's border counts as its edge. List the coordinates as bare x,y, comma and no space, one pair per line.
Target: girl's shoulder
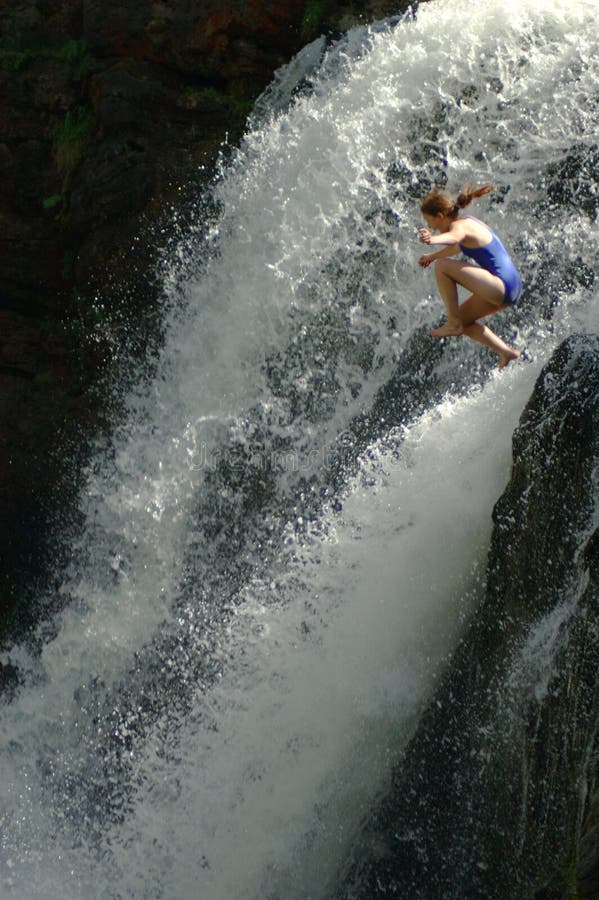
475,232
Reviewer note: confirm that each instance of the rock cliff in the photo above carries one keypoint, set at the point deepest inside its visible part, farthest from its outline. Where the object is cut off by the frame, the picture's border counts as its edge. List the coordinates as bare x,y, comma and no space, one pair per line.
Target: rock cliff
497,794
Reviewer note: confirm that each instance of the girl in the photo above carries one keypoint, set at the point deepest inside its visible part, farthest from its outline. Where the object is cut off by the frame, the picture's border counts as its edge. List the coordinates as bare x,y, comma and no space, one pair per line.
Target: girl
494,283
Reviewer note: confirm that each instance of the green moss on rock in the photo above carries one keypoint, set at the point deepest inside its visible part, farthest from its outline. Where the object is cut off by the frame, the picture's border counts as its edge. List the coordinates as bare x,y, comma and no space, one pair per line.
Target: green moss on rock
314,11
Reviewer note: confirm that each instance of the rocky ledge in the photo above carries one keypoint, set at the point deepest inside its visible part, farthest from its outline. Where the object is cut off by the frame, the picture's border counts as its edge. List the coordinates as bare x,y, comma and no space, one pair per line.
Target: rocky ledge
497,794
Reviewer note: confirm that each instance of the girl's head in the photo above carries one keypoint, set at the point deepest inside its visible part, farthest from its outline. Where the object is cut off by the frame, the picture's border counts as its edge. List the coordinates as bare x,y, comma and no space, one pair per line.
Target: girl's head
440,203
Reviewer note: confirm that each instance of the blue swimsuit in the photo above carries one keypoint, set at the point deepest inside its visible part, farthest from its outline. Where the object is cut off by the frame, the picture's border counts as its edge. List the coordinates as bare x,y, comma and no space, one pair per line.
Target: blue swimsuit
495,259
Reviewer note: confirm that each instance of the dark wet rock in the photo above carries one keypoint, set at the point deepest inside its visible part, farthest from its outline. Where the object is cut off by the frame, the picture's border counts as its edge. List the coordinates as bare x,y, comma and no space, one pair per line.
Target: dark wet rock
494,798
9,680
587,869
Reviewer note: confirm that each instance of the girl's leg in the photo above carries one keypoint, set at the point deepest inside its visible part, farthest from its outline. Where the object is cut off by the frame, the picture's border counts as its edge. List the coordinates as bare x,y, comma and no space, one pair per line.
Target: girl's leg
473,309
487,297
448,288
451,272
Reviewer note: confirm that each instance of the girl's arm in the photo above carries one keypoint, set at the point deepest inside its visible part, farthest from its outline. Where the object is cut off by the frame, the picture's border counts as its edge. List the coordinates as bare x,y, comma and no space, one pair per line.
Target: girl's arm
455,235
428,258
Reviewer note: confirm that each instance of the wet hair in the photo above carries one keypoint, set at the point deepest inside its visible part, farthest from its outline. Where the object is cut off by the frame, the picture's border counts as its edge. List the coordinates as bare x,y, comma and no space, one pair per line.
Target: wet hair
439,201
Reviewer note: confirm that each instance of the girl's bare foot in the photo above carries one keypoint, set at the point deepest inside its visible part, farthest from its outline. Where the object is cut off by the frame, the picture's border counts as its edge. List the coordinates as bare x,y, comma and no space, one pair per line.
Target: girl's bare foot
449,329
506,358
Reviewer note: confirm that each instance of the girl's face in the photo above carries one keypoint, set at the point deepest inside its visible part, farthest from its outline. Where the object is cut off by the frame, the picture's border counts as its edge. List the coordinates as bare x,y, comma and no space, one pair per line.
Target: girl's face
438,222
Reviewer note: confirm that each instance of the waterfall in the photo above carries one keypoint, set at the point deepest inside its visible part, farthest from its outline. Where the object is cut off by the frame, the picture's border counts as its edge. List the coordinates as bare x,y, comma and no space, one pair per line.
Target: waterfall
287,534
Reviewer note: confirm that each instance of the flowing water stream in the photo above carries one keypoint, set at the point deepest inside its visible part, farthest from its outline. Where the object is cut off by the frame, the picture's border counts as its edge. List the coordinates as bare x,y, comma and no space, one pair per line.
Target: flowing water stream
288,531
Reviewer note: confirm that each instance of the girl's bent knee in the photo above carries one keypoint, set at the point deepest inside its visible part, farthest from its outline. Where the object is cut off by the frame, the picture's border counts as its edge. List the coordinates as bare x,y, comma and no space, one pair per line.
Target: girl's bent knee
442,265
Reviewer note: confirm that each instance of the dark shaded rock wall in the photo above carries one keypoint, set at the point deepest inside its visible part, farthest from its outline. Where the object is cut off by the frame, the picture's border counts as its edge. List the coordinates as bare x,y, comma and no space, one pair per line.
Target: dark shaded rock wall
497,794
111,116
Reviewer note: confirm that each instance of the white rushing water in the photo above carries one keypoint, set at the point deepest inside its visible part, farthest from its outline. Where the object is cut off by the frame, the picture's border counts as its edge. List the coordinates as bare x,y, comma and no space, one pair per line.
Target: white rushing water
248,637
